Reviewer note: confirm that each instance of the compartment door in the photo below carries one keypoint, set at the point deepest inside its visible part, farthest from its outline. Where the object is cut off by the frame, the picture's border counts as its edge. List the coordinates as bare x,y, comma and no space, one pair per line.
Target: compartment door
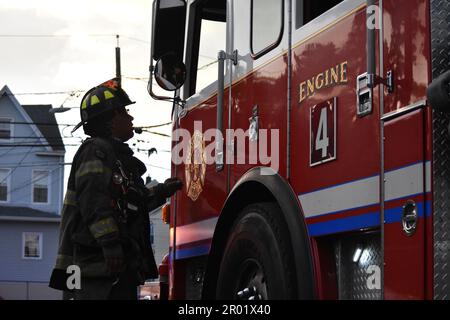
405,207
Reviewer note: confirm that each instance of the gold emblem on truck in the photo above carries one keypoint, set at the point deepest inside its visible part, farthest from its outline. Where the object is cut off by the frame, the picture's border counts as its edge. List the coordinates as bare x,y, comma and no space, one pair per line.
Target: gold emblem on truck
195,168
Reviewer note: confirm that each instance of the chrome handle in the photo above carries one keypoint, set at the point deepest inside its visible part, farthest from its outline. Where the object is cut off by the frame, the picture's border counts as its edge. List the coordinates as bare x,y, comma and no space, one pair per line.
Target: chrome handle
409,218
221,57
364,96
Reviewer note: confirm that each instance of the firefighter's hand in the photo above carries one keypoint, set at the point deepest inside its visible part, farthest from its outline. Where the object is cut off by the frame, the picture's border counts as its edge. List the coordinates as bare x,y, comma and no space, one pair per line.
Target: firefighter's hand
114,260
170,186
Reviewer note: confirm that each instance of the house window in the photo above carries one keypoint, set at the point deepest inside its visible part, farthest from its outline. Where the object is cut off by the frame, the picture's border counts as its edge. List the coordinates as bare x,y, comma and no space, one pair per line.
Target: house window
4,184
32,245
5,129
267,25
40,186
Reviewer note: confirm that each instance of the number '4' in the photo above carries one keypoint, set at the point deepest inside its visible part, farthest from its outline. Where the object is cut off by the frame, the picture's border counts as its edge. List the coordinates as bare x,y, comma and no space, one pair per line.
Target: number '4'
322,141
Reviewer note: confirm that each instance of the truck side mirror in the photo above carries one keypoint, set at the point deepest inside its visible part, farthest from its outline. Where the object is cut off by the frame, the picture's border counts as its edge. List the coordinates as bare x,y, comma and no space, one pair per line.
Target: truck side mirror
170,73
169,17
167,47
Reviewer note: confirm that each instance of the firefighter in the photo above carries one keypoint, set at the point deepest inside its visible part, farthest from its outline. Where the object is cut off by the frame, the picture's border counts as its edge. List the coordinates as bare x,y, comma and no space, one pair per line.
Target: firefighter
104,248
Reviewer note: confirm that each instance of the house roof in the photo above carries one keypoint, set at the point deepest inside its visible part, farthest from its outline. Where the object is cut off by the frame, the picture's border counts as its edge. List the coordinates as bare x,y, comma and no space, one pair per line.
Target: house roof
156,210
41,120
24,213
46,123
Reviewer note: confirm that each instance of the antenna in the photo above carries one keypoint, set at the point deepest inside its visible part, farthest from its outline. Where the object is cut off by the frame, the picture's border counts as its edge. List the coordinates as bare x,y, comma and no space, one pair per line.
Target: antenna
118,73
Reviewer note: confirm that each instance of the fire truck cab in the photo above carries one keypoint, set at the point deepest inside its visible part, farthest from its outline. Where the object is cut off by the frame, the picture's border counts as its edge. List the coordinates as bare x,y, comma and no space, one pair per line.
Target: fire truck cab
314,164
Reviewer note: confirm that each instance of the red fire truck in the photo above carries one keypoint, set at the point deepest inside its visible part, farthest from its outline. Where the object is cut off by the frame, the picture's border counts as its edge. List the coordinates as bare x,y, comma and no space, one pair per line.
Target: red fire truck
340,187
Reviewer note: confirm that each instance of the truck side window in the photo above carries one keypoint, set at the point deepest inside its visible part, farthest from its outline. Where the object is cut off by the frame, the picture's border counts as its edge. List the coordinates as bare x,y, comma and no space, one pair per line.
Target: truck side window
205,38
307,10
267,25
212,40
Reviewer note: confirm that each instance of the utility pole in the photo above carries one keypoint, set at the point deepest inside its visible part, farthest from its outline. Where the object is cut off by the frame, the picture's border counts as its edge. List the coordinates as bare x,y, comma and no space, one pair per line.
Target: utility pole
118,73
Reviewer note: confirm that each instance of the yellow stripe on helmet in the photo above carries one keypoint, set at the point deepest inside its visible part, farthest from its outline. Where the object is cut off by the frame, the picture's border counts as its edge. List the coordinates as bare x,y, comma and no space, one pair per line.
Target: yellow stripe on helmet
108,95
94,100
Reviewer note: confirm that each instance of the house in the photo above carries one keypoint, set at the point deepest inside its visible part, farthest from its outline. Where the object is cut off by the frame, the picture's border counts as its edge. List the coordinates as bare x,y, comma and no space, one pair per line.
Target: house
31,194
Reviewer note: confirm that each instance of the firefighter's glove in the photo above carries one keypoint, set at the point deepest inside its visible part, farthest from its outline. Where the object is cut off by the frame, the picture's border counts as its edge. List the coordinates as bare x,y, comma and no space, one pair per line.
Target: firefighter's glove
166,189
171,186
114,258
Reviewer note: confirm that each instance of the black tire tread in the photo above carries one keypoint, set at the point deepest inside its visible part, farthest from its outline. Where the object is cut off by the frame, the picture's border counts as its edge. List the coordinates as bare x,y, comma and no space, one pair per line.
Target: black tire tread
272,214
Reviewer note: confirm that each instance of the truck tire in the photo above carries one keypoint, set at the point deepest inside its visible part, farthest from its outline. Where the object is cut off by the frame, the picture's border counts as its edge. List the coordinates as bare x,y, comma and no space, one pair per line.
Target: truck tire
257,260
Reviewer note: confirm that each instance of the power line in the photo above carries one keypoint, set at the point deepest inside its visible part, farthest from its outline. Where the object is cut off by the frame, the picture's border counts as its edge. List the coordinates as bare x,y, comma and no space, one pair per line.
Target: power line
48,164
142,141
43,93
38,145
146,150
39,139
48,137
52,35
32,182
72,125
40,123
71,36
136,78
33,164
19,152
158,133
26,144
8,151
155,126
14,169
206,65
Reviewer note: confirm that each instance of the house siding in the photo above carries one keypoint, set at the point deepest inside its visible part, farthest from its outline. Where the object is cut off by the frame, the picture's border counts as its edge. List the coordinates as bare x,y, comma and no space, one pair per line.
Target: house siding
13,267
23,160
27,278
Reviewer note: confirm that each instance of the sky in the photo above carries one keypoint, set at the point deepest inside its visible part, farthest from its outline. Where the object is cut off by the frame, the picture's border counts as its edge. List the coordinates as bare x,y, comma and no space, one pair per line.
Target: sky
50,46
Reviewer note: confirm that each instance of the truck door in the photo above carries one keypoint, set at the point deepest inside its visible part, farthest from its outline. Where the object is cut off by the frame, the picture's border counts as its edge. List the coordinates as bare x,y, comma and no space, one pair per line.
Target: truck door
406,187
205,188
259,91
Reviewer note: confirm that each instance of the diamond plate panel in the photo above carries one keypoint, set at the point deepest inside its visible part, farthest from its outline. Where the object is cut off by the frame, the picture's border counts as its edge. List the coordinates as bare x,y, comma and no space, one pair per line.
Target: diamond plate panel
354,275
440,33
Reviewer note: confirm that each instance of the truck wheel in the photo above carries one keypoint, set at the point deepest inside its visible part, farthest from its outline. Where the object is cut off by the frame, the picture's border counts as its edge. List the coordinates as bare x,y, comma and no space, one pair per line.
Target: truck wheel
257,262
